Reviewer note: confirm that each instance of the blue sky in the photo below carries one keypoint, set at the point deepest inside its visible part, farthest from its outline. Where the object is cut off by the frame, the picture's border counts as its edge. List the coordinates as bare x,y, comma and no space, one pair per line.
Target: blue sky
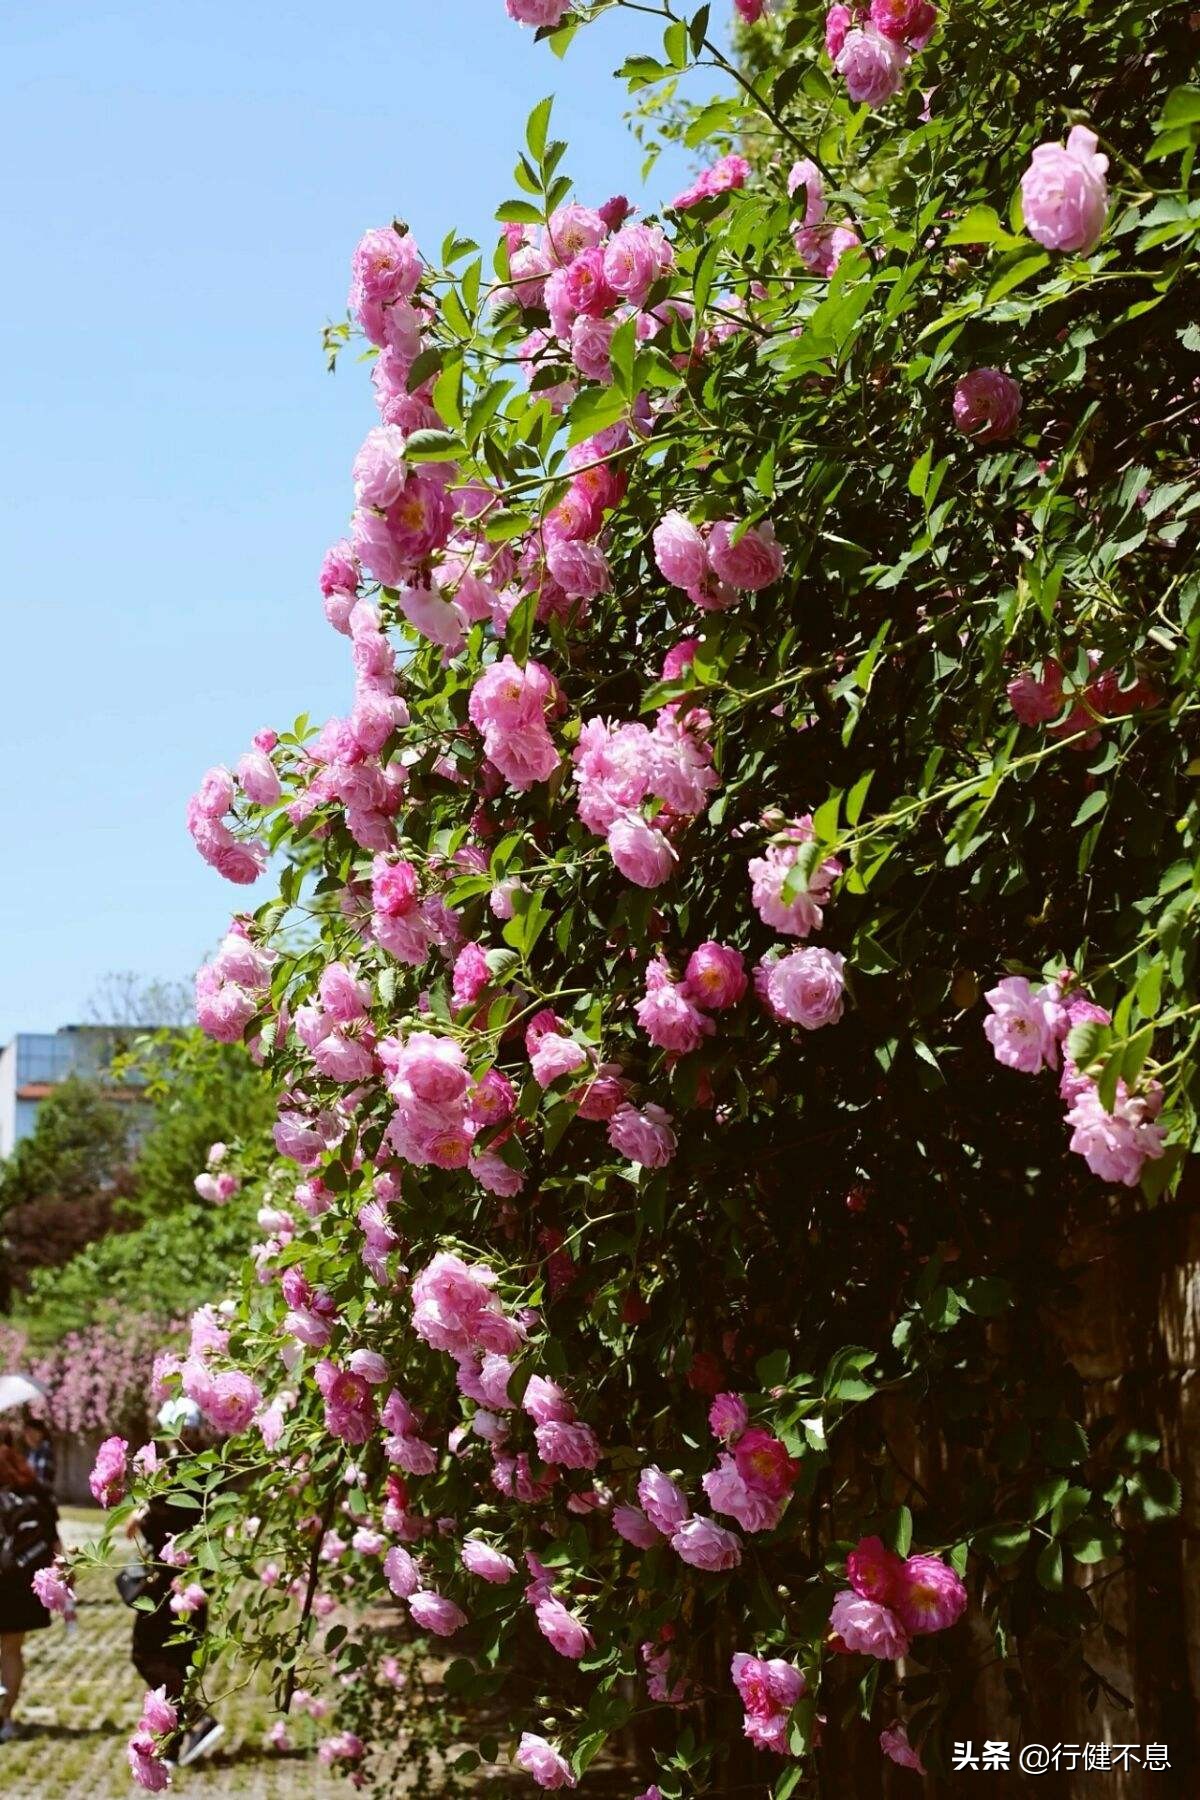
185,185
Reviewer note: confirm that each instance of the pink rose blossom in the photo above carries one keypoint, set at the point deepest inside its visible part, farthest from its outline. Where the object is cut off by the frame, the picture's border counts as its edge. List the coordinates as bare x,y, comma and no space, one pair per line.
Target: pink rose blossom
728,1417
768,1690
488,1563
930,1596
561,1629
664,1504
1115,1145
1064,193
703,1544
715,976
866,1627
680,551
1037,700
631,1523
640,851
838,21
107,1479
401,1572
668,1015
895,1746
433,1612
644,1136
567,1446
1026,1025
537,1757
987,406
806,987
872,64
754,561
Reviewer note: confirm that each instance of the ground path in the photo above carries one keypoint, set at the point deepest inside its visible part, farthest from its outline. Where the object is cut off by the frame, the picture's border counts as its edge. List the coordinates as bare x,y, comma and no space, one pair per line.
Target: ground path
81,1700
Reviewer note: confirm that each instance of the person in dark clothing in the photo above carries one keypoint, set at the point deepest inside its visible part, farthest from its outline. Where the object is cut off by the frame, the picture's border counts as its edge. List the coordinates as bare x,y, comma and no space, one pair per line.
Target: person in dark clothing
39,1448
28,1542
164,1643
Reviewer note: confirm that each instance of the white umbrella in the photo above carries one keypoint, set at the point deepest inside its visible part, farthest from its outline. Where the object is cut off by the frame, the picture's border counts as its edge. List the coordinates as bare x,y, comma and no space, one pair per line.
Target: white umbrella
19,1390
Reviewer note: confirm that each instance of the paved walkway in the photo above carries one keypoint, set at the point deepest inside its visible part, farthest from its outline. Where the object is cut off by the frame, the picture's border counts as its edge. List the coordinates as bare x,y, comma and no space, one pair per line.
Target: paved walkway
81,1699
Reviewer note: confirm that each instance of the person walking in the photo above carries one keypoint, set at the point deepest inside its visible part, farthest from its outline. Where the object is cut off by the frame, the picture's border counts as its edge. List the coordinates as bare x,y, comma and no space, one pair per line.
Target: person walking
38,1446
28,1542
164,1642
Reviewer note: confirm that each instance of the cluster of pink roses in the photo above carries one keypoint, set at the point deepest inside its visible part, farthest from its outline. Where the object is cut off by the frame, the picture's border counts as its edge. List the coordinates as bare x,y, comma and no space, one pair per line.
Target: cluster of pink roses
675,1015
232,988
238,860
589,269
1076,713
892,1599
217,1184
873,44
798,987
819,244
754,1475
769,1688
715,564
1027,1027
509,706
159,1721
110,1472
619,767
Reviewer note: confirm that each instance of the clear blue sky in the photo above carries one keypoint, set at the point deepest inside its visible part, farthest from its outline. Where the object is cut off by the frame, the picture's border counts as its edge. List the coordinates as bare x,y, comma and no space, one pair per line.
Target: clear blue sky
184,185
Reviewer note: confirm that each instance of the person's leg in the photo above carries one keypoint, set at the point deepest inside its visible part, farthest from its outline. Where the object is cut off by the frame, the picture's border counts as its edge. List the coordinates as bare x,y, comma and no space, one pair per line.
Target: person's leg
12,1668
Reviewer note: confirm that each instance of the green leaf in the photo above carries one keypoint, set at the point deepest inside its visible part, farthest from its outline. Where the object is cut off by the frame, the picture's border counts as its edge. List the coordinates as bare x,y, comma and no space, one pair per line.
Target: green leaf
1091,807
981,225
1002,1543
1050,1568
538,126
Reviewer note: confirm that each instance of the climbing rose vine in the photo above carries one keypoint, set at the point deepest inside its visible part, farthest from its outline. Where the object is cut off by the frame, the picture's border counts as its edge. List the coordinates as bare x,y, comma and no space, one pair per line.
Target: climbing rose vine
744,916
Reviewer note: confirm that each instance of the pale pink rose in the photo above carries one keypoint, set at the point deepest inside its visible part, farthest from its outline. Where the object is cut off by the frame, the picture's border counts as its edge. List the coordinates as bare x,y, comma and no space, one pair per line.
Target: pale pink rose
866,1627
561,1629
401,1572
703,1544
838,21
487,1562
537,1757
215,794
369,1364
554,1057
145,1765
493,1173
872,64
728,1492
634,259
644,1136
631,1523
567,1446
433,1612
680,551
386,266
258,779
1115,1145
1064,193
987,406
805,174
754,561
664,1504
668,1015
822,247
546,1403
641,852
727,172
1026,1024
807,987
895,1745
53,1589
380,470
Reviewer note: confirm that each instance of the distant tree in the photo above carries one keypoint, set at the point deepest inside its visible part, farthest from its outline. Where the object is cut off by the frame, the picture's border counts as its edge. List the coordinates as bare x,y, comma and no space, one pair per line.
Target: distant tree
165,1250
123,997
59,1187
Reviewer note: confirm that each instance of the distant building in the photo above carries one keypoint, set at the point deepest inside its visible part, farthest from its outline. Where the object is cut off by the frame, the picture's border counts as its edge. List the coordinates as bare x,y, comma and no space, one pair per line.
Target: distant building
36,1061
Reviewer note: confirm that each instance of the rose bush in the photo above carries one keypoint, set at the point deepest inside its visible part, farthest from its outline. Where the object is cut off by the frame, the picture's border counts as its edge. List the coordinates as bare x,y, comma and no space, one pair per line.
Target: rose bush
769,628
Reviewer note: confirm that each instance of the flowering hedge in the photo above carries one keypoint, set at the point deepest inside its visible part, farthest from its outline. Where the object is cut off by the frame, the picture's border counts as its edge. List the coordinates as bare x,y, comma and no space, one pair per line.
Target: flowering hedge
751,909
